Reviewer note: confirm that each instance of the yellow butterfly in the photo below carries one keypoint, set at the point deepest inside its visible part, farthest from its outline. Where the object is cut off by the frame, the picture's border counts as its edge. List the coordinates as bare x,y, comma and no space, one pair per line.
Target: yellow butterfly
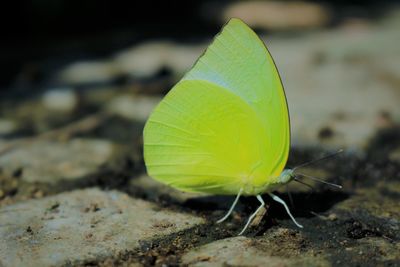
224,127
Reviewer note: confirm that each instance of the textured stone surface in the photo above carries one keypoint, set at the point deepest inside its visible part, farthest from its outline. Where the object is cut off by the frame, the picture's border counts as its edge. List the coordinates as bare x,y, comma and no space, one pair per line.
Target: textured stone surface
50,162
244,251
81,226
232,251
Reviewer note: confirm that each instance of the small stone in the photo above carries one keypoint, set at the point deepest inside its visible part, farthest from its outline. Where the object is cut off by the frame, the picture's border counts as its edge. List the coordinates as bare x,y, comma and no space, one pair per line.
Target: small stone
89,72
332,216
61,100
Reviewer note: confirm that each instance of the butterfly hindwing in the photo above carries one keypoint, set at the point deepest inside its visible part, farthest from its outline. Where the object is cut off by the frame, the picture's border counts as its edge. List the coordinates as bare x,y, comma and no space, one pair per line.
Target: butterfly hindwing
202,137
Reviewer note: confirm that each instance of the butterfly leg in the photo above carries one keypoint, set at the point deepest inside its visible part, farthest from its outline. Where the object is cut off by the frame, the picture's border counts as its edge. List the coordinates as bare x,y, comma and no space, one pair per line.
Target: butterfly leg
278,199
232,207
254,214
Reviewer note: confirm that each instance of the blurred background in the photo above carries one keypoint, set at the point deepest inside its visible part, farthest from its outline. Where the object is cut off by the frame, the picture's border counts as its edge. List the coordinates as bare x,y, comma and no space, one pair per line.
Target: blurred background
63,60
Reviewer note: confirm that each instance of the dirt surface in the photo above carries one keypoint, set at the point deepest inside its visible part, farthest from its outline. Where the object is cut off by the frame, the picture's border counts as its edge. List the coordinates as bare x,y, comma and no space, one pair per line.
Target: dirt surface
346,233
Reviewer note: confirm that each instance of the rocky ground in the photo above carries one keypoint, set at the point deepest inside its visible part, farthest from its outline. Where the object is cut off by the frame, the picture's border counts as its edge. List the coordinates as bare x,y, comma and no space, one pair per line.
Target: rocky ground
74,191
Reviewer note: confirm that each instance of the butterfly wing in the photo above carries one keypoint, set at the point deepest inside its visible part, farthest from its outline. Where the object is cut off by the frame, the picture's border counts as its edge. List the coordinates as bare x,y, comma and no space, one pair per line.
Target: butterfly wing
240,62
225,125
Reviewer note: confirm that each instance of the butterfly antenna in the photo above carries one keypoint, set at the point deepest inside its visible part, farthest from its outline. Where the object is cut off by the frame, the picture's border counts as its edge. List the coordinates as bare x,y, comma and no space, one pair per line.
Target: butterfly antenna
319,180
303,183
317,160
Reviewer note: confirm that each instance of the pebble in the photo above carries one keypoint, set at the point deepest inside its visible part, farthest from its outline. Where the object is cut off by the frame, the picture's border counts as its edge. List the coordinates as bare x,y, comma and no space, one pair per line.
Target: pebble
60,99
89,72
136,108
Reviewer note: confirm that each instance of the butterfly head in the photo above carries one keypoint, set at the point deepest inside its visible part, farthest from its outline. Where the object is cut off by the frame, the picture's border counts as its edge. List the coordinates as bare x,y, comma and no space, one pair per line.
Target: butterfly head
286,176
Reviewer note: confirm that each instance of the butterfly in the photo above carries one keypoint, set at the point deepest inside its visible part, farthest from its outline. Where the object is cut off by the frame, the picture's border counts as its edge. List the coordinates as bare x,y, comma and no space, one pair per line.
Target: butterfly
224,127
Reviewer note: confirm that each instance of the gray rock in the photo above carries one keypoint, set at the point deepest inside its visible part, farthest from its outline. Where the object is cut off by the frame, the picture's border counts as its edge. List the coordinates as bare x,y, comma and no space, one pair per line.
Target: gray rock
62,100
81,226
89,72
50,162
244,251
236,251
